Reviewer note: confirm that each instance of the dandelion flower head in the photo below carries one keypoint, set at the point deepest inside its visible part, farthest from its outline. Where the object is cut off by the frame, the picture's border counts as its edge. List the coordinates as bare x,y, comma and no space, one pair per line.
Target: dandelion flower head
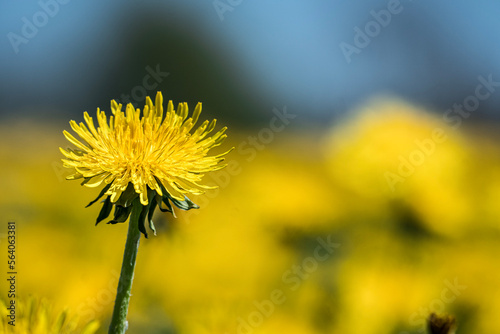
148,155
149,151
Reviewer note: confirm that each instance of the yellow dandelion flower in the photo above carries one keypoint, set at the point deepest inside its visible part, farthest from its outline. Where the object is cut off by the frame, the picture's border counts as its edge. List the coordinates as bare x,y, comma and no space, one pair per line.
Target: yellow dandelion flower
153,157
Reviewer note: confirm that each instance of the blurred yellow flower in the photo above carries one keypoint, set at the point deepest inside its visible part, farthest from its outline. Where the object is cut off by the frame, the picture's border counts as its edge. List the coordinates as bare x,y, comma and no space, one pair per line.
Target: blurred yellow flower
33,316
148,151
393,153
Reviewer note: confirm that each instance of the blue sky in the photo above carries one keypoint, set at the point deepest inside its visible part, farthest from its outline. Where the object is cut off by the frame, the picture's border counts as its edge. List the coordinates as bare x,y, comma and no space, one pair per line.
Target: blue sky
430,52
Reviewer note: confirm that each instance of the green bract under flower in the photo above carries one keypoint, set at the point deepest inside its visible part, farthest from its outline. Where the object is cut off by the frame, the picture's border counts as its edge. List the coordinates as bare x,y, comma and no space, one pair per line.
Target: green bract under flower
123,207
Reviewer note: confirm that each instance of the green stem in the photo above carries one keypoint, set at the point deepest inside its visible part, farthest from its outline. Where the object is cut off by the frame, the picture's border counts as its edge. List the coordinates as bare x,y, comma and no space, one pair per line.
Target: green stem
119,322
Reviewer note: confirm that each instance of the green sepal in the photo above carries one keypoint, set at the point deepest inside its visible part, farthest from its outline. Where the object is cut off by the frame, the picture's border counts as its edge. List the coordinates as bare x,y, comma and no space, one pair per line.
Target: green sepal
105,210
150,215
142,218
145,211
169,208
192,205
100,195
121,214
129,199
186,204
128,196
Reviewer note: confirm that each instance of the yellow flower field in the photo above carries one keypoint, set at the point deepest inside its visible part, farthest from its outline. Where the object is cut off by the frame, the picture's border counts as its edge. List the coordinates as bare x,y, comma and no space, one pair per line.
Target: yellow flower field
364,228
